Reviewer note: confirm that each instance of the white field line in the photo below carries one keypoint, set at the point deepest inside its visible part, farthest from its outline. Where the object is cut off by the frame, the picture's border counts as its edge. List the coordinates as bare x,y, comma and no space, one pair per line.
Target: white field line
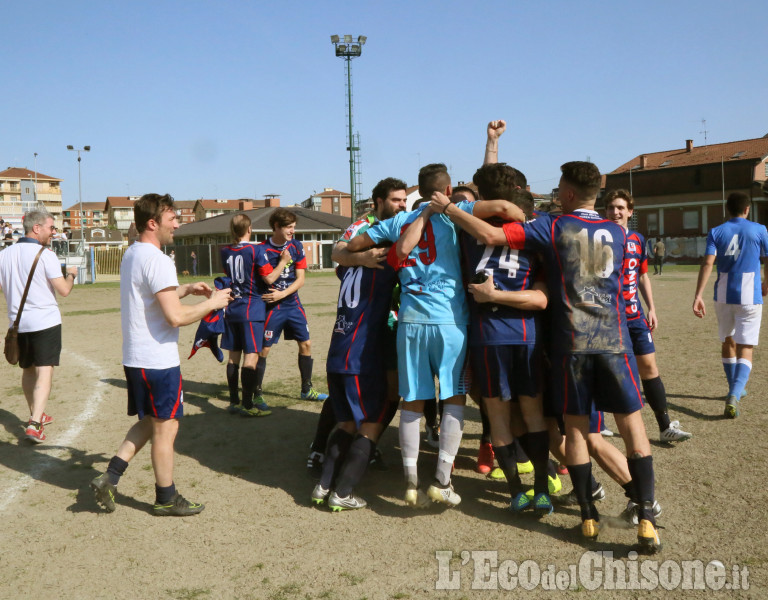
65,439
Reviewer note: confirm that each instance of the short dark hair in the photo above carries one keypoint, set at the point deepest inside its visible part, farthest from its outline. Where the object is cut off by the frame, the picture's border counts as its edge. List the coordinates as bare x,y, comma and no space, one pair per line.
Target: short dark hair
737,203
497,181
524,199
239,225
433,178
384,187
464,188
584,177
150,207
623,194
281,217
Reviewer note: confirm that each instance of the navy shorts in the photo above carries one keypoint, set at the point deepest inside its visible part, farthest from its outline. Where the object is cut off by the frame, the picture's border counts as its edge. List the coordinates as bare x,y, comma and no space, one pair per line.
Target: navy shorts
40,348
290,318
358,398
607,382
245,336
596,421
640,334
155,392
506,371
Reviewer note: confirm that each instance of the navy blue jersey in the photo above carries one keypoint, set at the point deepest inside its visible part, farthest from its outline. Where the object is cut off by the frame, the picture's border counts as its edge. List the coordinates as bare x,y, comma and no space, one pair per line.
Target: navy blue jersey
584,254
244,264
512,270
288,276
357,343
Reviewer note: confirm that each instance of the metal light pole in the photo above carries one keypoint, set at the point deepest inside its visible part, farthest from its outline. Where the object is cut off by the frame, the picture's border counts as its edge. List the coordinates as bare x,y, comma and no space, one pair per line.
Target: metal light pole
80,192
347,49
35,188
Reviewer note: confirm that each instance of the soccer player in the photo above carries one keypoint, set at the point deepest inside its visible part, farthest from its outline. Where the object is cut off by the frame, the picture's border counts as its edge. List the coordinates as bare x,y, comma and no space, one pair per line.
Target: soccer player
592,363
360,346
151,313
246,265
619,207
738,245
284,309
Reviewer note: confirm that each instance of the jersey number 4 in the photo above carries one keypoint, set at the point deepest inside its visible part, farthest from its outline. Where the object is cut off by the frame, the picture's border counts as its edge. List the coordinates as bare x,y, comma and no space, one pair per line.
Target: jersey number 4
508,259
733,247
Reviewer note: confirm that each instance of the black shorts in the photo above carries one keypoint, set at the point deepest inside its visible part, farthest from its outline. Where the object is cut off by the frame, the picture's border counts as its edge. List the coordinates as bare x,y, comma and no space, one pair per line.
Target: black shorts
40,348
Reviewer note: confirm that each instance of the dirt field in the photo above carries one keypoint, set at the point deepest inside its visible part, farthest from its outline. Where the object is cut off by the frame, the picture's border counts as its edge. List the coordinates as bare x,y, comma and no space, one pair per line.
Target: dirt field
259,537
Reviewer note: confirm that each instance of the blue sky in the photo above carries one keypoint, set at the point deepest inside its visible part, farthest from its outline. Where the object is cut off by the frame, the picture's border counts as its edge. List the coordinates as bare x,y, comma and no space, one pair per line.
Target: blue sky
234,99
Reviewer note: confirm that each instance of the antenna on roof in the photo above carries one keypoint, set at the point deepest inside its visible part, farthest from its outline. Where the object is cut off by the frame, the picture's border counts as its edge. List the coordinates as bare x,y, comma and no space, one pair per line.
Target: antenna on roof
704,130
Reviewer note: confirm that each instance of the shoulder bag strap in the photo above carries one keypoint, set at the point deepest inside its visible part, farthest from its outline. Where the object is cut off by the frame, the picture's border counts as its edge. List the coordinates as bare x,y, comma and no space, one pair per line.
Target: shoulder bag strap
26,289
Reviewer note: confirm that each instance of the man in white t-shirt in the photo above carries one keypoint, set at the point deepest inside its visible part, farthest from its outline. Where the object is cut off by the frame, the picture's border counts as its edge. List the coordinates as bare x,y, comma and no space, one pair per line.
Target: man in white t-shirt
40,324
151,313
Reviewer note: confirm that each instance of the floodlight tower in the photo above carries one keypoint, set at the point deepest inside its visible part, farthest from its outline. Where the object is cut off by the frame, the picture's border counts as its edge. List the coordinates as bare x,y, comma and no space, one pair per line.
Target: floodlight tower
347,49
80,193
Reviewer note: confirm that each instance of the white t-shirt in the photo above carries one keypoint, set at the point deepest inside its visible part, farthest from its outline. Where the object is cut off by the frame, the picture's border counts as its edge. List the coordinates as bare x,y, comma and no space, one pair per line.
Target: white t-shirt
149,341
40,310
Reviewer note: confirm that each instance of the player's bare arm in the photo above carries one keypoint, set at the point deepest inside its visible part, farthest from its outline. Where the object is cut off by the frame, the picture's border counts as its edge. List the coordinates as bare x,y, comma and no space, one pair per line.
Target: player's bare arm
495,129
178,314
275,295
503,209
412,235
360,242
274,275
699,309
372,258
477,228
535,298
644,283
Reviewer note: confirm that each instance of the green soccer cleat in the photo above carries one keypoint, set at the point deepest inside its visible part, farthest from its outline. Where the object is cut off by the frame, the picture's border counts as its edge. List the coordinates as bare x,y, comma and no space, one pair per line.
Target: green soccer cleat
104,491
542,505
731,407
178,507
313,395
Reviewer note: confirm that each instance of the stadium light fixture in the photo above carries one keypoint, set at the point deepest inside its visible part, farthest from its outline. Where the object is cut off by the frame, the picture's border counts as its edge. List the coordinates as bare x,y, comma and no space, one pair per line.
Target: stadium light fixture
80,193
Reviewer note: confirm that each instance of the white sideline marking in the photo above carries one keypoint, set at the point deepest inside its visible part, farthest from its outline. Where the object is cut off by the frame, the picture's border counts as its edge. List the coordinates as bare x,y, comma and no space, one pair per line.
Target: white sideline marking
64,439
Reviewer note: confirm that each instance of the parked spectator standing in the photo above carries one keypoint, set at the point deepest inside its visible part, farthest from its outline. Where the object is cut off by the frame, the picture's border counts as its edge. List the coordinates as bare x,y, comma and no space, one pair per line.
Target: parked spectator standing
738,245
244,263
592,362
193,256
40,324
284,309
659,251
151,313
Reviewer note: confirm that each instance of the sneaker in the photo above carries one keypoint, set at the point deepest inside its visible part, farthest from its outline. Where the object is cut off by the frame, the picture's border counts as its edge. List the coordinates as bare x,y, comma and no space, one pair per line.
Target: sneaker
416,498
525,467
104,491
521,502
34,433
569,499
314,395
46,420
377,461
319,494
554,484
590,528
234,409
648,538
178,507
443,495
497,474
351,502
433,436
315,464
263,407
731,407
485,458
630,514
606,433
673,433
542,505
252,412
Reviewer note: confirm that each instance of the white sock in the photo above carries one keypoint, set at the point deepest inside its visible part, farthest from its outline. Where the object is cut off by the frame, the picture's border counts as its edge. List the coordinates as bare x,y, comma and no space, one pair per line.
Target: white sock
410,437
451,430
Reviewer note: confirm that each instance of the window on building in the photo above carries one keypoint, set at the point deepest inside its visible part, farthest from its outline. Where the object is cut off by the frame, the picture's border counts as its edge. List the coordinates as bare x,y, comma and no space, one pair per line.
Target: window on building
691,219
652,223
766,168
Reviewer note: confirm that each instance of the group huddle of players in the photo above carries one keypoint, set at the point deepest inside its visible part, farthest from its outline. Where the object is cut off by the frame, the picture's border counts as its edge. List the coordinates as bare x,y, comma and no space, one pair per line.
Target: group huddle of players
539,311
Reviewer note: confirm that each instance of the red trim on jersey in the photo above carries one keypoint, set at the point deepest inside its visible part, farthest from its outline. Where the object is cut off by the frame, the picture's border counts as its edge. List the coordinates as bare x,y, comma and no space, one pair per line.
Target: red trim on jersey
515,234
302,264
637,389
178,397
599,421
620,291
266,270
354,335
149,389
250,296
392,259
562,275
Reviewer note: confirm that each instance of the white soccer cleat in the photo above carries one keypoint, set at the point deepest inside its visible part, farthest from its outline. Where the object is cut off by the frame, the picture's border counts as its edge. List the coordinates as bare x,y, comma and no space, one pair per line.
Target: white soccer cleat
443,495
673,433
416,498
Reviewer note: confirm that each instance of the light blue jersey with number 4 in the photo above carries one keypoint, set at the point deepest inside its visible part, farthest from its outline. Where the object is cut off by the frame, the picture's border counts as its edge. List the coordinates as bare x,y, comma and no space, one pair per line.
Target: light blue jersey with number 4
738,245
